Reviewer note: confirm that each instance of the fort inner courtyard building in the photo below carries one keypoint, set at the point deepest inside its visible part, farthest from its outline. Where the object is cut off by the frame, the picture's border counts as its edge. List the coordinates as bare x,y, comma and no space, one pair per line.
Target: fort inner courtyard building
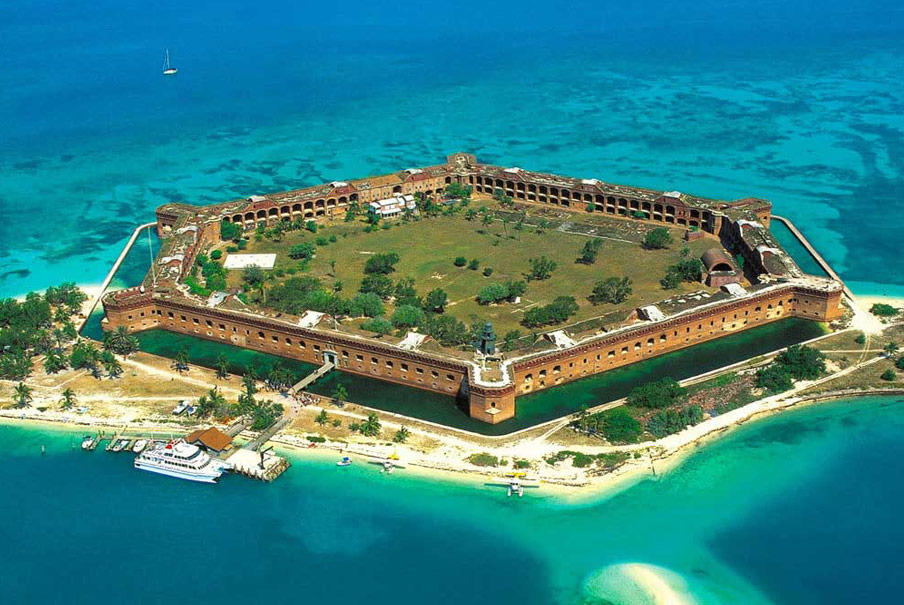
481,282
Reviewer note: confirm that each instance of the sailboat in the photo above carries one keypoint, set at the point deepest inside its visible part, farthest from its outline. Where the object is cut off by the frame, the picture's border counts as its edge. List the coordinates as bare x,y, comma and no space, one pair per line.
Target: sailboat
168,70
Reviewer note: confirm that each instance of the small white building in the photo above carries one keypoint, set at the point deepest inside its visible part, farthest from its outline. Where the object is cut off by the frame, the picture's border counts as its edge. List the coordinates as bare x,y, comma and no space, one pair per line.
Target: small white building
392,206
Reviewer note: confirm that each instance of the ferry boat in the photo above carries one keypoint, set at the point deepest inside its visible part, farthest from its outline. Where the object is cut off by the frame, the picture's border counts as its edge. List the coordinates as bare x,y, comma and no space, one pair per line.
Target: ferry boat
181,460
168,70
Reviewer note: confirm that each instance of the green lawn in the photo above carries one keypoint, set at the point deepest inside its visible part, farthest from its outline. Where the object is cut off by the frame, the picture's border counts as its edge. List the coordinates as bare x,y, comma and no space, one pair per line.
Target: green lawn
428,247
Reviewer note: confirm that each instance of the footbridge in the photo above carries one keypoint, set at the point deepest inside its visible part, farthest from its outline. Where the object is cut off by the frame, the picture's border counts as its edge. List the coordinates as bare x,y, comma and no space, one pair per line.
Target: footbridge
313,376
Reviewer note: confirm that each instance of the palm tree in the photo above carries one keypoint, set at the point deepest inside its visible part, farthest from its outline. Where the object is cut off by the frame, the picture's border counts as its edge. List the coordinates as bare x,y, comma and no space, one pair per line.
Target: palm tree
222,367
211,403
249,382
68,399
322,418
371,427
401,435
120,341
340,395
112,366
487,219
181,361
23,395
890,348
54,361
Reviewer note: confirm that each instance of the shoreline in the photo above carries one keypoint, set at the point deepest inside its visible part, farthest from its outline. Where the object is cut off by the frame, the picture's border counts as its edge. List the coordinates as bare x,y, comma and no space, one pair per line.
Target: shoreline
663,455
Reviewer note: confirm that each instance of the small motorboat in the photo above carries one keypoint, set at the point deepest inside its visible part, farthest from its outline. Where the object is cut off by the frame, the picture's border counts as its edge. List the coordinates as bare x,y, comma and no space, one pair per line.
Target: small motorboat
346,461
139,446
191,410
87,442
183,405
117,446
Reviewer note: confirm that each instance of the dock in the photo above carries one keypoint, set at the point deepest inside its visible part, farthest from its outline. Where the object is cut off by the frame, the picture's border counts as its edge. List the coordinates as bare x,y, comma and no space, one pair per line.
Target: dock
816,255
312,377
263,465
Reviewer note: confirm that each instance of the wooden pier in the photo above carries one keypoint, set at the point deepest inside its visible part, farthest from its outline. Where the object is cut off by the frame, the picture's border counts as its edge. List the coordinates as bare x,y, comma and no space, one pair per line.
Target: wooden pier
264,465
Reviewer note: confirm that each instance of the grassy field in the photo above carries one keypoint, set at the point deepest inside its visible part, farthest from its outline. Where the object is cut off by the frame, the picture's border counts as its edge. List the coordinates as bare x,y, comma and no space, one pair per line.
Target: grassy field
429,246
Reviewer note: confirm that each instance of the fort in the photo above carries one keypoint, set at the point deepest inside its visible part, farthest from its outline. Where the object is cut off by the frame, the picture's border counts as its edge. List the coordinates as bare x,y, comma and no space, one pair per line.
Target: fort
751,281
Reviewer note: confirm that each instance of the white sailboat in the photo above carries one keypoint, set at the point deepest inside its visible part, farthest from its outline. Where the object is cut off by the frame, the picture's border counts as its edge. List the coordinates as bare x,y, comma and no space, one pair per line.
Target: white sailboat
168,70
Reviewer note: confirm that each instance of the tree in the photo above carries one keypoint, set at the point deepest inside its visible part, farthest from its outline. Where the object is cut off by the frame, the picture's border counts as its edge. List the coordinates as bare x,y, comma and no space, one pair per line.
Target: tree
556,312
303,250
120,341
340,394
23,395
371,427
249,382
55,361
460,261
84,356
279,378
619,426
774,378
541,268
366,304
222,364
613,290
657,239
888,375
382,264
407,316
322,418
487,219
436,301
687,270
378,326
446,330
473,264
180,362
211,403
900,363
590,251
401,435
510,340
803,362
254,277
379,284
670,281
890,349
458,191
492,293
470,213
657,395
229,231
68,399
111,365
667,422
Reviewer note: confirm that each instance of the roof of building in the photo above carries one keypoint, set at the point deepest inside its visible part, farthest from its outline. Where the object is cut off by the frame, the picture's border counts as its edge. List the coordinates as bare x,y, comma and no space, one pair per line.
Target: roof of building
714,257
212,438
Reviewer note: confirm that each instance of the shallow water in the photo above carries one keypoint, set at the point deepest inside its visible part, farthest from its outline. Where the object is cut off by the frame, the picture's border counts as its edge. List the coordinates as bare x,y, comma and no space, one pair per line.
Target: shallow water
795,508
800,107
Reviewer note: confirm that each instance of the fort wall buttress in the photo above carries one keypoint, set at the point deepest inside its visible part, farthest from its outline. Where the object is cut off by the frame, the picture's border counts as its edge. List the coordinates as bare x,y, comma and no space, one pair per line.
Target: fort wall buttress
492,405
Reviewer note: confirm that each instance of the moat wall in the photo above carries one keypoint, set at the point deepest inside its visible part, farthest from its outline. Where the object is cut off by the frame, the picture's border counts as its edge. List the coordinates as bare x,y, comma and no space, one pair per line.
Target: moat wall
450,377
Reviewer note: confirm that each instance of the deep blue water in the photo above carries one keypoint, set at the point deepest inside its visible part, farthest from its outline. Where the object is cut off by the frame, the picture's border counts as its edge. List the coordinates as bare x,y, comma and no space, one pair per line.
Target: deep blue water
798,508
795,101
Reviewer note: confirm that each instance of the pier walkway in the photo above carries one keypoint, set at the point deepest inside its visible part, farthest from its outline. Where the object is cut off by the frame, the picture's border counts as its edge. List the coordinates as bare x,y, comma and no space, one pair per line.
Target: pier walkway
816,255
313,376
113,270
261,439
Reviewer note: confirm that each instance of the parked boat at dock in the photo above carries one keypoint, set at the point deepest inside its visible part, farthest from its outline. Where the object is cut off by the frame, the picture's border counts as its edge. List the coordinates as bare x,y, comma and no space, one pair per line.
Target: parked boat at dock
87,442
181,460
139,446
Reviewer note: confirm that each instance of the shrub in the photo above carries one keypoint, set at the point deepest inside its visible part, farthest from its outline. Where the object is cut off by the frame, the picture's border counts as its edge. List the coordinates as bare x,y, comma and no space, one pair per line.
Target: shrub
315,438
900,363
483,459
322,241
243,243
861,338
231,249
888,375
883,310
668,422
229,231
473,264
522,464
333,238
657,395
460,261
304,250
311,226
216,254
657,238
487,271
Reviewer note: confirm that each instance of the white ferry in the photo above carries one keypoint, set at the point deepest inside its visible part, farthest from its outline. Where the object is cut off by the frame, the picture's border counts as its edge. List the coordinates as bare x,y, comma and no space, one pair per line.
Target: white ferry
182,460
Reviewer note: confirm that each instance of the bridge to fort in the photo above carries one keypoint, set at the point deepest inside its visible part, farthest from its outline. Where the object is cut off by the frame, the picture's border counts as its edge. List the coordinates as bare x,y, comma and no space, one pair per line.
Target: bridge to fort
312,377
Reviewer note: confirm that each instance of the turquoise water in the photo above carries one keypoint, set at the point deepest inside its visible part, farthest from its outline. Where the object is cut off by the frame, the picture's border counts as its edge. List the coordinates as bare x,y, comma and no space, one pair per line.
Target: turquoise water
796,249
797,103
797,508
